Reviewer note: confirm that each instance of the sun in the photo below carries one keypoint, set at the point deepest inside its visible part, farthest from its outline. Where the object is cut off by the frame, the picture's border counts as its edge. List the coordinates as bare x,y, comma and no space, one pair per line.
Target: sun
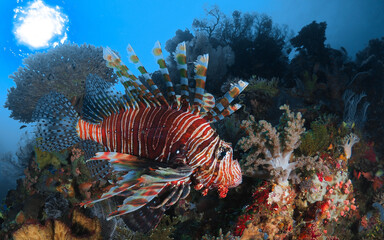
39,25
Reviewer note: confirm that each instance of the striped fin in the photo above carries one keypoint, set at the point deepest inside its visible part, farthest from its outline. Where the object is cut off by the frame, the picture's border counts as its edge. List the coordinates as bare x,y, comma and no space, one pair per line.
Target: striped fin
134,87
208,102
180,56
99,169
100,100
141,180
201,66
224,102
158,53
56,121
156,171
145,218
159,100
114,61
138,199
226,112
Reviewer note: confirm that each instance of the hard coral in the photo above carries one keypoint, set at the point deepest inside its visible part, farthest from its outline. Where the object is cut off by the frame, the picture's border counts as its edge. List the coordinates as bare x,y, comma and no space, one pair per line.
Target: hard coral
89,229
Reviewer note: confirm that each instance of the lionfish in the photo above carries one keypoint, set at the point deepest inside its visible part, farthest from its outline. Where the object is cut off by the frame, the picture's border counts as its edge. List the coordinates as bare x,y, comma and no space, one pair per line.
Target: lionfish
151,149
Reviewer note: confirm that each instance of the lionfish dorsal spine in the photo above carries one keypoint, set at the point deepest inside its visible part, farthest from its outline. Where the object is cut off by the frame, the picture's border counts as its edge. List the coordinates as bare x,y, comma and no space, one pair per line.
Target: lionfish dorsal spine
201,66
158,54
223,106
180,56
133,58
133,86
226,112
137,94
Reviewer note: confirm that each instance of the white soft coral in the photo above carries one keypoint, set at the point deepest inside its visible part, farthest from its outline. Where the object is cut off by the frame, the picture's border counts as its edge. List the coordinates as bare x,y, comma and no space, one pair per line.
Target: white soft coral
348,142
273,146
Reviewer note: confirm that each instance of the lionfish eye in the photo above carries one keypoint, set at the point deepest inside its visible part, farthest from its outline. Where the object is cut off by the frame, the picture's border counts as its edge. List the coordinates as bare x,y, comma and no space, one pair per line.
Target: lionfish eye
223,152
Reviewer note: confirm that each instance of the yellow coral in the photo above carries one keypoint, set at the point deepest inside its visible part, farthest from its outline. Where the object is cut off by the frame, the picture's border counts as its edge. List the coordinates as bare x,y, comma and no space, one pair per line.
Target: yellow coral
90,224
59,231
66,189
34,232
44,159
62,232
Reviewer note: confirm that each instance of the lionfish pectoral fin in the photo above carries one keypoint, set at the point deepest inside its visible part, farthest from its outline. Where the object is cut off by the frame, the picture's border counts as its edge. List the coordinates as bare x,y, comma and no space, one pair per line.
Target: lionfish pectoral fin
138,199
145,218
90,148
148,217
149,171
171,174
138,179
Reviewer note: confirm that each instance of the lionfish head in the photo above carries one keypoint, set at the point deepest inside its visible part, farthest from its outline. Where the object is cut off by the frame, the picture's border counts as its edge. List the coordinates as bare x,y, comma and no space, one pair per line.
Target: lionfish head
228,174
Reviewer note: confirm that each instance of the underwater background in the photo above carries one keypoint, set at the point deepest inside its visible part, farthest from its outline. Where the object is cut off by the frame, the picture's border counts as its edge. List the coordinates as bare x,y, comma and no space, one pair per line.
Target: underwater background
308,135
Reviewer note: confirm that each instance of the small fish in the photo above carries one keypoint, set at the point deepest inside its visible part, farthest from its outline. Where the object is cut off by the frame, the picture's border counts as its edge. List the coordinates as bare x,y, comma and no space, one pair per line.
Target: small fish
154,147
379,173
23,126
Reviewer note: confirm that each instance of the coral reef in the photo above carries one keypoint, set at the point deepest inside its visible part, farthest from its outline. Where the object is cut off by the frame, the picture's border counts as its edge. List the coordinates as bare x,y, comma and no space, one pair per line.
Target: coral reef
303,196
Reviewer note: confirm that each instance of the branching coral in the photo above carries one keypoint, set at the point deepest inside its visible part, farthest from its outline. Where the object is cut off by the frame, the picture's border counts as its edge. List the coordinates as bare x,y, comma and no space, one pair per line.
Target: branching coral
62,69
273,146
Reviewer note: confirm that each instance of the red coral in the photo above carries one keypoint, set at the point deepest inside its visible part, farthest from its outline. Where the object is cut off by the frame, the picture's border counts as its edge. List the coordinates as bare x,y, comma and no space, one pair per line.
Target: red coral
241,224
259,197
370,153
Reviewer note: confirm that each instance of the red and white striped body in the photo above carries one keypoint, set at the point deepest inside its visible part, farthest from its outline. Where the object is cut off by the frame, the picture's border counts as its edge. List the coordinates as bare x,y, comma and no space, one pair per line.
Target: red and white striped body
157,133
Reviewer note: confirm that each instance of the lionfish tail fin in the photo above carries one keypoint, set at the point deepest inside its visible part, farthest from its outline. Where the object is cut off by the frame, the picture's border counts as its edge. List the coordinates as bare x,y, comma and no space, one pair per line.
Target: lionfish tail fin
56,122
